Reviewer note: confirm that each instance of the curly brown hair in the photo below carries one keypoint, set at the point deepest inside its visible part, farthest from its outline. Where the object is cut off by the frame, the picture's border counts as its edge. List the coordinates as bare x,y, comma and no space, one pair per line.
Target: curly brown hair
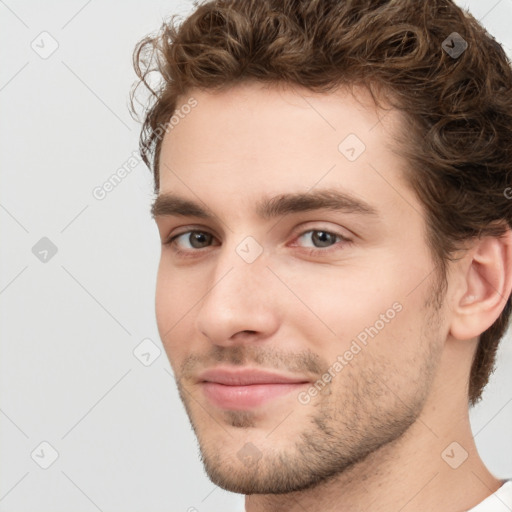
458,108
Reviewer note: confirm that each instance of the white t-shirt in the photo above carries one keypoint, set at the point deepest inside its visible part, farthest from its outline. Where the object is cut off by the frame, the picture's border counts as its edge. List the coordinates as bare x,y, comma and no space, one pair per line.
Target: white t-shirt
500,501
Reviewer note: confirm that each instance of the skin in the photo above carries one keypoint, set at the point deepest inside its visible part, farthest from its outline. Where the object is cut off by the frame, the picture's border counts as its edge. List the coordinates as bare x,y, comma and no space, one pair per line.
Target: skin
373,437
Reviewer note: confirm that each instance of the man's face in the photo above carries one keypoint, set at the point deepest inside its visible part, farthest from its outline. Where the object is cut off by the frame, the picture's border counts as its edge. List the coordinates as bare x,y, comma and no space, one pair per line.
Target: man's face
300,332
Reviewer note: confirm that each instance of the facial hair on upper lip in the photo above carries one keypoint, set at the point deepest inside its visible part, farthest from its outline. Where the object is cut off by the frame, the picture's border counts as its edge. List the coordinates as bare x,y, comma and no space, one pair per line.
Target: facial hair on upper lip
301,363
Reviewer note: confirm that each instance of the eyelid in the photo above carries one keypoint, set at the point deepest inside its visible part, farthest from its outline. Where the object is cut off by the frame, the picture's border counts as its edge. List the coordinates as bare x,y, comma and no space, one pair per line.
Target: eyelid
188,229
306,227
297,232
322,251
302,230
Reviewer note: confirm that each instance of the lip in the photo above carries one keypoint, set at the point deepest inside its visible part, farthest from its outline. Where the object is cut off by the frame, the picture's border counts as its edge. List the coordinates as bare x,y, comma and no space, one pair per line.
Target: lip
247,377
246,388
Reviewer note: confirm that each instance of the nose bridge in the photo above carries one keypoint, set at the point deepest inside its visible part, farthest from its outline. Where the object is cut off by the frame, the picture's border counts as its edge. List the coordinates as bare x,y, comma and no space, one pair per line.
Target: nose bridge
240,270
238,297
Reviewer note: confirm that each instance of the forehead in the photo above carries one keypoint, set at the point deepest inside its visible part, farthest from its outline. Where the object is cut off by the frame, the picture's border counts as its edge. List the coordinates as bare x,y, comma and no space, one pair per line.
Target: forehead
254,140
254,119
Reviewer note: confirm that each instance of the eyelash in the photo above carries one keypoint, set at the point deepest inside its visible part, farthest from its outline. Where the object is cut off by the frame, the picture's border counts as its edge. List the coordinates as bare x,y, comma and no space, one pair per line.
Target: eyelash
189,253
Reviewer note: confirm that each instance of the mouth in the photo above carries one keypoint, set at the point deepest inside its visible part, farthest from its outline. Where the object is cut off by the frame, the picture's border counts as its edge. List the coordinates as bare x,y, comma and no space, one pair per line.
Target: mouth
247,388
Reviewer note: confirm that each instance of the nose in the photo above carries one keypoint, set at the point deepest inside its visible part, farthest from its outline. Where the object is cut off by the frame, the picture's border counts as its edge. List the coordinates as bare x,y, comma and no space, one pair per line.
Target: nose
241,304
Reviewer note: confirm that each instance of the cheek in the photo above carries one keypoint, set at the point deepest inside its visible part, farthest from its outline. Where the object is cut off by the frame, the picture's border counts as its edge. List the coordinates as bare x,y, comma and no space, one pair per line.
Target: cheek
338,300
174,333
164,300
372,305
175,297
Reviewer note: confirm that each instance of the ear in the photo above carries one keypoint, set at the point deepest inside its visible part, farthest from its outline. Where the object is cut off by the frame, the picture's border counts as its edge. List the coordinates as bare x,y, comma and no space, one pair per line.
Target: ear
484,287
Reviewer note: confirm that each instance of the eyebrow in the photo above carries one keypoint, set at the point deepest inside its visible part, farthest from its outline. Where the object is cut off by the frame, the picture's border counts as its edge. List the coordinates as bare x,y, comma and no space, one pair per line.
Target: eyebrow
169,204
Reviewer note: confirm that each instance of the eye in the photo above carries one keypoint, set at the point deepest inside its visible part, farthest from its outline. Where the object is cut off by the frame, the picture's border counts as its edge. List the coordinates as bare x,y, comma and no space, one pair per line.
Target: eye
320,238
313,241
191,240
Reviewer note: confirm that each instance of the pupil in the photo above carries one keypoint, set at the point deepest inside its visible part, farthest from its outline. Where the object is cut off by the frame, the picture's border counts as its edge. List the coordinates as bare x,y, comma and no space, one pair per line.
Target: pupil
323,238
196,239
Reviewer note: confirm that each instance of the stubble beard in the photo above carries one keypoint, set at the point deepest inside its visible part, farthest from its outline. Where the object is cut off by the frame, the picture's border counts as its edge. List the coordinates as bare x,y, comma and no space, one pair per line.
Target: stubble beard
359,413
341,430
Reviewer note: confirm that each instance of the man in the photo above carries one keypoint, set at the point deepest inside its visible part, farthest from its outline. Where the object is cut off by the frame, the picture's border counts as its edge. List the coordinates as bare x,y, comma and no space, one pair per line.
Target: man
336,263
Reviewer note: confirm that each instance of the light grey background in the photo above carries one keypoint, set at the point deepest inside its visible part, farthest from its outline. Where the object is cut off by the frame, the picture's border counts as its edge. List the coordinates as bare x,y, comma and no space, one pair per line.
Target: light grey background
69,325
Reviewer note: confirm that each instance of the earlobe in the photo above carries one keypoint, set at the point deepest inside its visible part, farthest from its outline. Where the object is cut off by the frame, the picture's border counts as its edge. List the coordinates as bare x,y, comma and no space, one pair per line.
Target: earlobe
485,286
